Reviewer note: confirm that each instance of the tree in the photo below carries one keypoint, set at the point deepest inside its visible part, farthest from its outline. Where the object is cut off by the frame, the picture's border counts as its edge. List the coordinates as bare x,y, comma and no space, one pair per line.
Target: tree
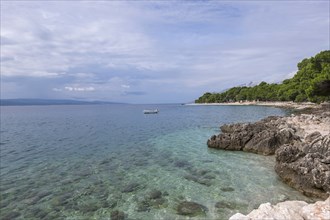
310,83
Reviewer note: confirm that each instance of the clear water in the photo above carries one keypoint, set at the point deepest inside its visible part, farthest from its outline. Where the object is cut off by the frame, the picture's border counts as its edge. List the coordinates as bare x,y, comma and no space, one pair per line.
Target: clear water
84,162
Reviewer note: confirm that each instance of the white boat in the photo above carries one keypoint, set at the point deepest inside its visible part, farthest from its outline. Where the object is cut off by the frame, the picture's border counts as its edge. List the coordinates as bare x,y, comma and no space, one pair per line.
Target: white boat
150,111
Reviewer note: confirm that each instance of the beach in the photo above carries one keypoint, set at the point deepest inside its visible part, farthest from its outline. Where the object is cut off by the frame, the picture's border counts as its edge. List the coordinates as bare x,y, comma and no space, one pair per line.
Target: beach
291,105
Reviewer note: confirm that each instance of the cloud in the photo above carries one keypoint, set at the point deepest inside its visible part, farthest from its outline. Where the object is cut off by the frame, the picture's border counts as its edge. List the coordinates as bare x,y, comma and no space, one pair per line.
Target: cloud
291,74
134,93
48,40
74,89
57,89
176,49
125,86
79,89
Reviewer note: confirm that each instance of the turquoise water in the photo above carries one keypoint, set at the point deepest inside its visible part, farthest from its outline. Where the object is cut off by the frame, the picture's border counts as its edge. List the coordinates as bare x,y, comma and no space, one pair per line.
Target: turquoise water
84,162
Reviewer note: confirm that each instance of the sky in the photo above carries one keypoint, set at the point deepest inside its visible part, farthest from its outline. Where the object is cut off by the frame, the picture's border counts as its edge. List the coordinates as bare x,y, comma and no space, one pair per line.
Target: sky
153,51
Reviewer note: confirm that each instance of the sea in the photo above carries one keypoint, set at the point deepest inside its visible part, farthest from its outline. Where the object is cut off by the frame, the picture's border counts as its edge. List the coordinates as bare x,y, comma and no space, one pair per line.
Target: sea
93,161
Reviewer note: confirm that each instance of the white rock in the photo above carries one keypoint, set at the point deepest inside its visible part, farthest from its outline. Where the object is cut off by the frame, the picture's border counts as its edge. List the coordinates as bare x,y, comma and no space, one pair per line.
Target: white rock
239,216
317,211
297,210
283,210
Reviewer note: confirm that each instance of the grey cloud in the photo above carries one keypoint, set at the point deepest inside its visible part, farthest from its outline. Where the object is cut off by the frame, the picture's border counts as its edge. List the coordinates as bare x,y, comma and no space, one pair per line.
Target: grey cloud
6,41
193,46
5,59
135,93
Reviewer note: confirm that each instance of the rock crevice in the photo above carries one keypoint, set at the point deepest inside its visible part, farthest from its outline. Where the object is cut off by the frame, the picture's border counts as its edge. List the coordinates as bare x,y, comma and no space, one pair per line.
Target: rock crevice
306,165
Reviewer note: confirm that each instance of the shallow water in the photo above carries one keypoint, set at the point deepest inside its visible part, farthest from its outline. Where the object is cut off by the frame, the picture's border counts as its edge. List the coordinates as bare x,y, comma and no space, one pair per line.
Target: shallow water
84,162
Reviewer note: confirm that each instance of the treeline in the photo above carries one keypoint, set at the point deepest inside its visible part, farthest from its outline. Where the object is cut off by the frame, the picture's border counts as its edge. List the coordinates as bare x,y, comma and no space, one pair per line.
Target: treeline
310,83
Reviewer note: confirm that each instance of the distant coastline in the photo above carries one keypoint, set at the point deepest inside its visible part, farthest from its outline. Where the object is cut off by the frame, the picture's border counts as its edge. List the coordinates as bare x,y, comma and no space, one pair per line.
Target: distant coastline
27,102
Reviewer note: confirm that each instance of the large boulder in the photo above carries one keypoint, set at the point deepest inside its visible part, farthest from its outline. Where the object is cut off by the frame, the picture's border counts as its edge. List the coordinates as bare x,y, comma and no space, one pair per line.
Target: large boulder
301,143
306,166
318,210
298,210
262,137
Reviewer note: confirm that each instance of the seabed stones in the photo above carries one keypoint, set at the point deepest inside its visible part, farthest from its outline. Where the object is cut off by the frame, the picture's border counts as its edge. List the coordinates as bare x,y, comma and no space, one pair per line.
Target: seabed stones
11,215
131,187
227,189
203,177
117,215
227,205
191,209
153,199
154,194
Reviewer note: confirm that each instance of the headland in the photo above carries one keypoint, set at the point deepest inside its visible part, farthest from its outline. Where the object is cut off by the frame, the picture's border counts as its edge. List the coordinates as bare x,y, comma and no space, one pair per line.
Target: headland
301,145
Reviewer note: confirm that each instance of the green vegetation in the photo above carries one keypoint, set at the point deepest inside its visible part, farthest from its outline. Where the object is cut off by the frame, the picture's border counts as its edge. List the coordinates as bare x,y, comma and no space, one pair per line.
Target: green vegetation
310,83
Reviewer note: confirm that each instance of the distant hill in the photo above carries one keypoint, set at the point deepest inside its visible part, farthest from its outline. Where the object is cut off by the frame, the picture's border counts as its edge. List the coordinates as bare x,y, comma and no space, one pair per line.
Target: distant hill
18,102
310,83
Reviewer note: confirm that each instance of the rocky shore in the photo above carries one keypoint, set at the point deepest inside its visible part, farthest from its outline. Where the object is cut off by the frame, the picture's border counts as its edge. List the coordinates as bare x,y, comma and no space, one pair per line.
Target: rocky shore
300,143
289,105
297,210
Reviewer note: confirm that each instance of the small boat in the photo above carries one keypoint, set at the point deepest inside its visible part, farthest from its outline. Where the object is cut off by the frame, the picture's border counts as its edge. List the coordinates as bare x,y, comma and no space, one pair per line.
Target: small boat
150,111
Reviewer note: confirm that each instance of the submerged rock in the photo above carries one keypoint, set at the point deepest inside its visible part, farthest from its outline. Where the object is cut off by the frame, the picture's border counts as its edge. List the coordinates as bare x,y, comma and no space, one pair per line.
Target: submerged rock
182,164
88,207
117,215
221,205
153,199
62,200
203,177
38,213
202,181
36,198
154,194
159,203
191,209
225,204
109,204
11,215
143,206
227,189
131,187
298,210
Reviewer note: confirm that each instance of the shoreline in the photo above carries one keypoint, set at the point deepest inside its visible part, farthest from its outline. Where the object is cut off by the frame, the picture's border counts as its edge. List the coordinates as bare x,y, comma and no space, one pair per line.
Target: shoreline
298,210
301,145
299,140
290,105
